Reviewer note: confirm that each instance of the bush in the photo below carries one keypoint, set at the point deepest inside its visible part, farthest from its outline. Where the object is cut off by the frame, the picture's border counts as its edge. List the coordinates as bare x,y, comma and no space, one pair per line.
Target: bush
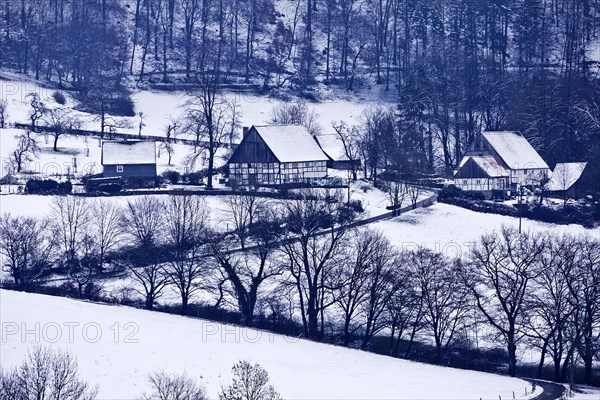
48,186
59,98
123,106
449,192
193,178
110,187
172,176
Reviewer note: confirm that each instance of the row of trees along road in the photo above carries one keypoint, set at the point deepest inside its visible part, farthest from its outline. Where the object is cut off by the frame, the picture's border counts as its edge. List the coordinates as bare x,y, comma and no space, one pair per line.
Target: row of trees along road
299,260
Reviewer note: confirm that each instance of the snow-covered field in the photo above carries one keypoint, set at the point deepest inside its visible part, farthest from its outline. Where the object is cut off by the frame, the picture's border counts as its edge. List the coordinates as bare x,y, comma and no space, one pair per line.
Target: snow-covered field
451,230
118,346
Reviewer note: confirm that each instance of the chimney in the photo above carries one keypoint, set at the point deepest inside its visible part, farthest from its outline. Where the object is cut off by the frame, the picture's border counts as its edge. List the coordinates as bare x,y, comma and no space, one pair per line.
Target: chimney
245,130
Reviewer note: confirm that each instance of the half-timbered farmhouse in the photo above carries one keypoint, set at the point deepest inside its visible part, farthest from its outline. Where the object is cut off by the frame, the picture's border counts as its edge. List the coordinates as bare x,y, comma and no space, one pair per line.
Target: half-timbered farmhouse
501,160
133,161
273,155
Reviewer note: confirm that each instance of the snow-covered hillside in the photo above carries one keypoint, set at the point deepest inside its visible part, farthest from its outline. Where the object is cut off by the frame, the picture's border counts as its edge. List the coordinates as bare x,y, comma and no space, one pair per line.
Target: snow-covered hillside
451,229
118,346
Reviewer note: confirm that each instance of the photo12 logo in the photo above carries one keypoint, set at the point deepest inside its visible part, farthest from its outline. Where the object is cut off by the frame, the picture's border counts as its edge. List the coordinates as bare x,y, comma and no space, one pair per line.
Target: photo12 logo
69,332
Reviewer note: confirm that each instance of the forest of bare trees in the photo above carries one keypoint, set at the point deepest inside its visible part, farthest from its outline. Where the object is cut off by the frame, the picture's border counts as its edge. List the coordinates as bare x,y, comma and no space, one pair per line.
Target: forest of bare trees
456,66
299,267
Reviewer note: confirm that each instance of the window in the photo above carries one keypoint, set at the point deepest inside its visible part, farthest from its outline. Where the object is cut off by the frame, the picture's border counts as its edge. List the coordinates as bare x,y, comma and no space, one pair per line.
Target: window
119,168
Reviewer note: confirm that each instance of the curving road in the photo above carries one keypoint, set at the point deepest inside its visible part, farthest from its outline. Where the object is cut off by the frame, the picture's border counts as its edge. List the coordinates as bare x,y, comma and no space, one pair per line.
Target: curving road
552,391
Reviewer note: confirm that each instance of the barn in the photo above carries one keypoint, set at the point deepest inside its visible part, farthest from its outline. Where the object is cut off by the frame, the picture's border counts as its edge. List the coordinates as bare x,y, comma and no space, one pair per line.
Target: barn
570,179
133,161
275,155
500,160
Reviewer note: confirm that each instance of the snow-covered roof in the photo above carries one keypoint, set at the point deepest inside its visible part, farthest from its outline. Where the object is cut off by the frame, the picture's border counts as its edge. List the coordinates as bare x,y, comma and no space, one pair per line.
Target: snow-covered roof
490,166
291,143
515,150
565,175
128,152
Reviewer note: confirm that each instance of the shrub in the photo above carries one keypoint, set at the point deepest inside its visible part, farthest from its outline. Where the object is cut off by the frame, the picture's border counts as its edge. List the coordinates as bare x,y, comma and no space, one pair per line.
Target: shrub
59,98
449,192
172,176
110,187
123,106
47,186
193,178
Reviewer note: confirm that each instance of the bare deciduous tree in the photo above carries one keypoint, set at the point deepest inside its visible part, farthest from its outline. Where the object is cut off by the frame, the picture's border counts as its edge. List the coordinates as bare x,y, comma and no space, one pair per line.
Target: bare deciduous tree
70,219
296,113
186,221
26,245
142,220
174,387
46,375
500,272
3,114
250,382
26,149
106,227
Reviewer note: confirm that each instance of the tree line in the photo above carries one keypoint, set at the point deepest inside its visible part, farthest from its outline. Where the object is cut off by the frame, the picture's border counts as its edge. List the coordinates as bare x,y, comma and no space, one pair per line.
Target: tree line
456,66
298,260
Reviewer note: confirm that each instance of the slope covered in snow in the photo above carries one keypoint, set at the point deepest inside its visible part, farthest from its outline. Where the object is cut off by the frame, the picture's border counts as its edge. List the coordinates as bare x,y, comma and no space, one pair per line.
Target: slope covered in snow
118,346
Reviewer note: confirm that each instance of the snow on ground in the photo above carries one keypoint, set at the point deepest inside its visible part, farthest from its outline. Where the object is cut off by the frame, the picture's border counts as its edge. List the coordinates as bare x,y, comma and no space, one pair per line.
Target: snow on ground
159,108
85,153
452,229
40,206
586,393
118,346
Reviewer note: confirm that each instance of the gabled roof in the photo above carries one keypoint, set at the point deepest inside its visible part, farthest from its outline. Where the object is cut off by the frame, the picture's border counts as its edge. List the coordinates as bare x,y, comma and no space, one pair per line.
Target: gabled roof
487,164
128,152
291,143
515,150
565,175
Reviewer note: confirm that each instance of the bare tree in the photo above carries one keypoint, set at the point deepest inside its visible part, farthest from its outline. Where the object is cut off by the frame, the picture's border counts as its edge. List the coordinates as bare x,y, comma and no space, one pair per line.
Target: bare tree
585,291
243,211
446,305
146,268
46,375
380,285
60,120
70,218
296,113
550,307
405,308
3,114
350,280
500,271
25,151
312,256
38,109
243,274
168,148
250,382
396,190
106,227
186,223
349,136
142,220
26,245
174,387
